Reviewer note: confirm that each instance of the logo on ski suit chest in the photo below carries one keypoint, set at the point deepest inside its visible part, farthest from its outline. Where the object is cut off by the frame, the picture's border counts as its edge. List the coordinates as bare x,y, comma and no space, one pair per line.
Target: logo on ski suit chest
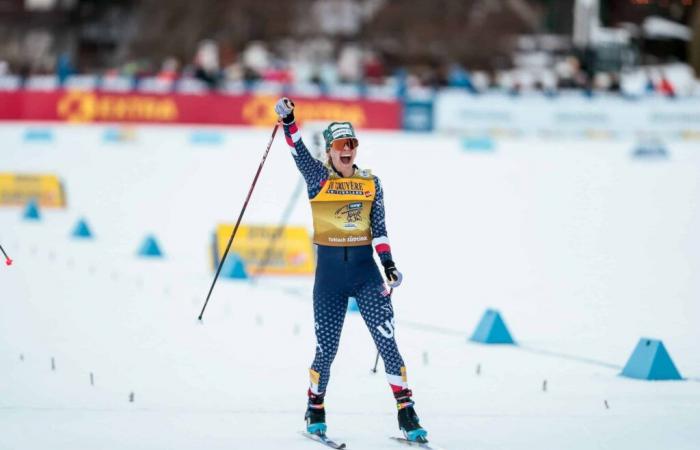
351,213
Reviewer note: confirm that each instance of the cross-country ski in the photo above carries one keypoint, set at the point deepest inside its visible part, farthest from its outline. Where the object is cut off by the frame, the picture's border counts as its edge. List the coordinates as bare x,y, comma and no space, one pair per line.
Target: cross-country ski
323,439
419,444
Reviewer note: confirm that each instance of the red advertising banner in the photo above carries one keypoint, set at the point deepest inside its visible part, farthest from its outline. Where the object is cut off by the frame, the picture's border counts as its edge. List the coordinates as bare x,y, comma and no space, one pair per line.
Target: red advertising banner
213,109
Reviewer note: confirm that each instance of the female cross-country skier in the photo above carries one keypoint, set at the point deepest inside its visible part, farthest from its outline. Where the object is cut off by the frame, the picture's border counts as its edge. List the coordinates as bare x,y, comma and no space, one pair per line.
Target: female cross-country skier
348,215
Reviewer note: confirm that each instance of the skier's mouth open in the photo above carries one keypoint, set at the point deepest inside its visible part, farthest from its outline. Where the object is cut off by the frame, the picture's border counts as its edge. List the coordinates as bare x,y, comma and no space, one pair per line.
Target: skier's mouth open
345,159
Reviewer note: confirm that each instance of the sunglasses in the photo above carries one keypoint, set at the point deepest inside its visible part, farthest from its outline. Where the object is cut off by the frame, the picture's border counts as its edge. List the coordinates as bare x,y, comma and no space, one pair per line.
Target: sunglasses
339,144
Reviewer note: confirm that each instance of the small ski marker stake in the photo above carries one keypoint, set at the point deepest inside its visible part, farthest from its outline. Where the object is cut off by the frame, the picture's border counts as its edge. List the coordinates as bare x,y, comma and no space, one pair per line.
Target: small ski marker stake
8,261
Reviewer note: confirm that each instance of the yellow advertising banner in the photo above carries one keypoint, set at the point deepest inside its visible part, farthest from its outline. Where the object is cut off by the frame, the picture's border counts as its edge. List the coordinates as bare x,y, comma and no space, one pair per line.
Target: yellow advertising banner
267,250
19,189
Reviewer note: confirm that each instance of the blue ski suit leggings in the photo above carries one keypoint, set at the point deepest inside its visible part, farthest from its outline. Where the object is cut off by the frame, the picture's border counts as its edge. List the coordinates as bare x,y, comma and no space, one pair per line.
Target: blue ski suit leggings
343,272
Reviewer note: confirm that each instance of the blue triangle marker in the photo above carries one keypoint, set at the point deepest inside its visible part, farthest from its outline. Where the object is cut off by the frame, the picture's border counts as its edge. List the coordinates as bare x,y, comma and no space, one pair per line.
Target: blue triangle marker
352,305
150,248
31,211
234,267
112,135
650,361
482,144
81,230
205,137
492,329
38,135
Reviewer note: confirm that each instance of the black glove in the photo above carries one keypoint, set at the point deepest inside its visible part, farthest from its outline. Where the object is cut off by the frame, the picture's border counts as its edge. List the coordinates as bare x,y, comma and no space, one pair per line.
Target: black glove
393,276
285,109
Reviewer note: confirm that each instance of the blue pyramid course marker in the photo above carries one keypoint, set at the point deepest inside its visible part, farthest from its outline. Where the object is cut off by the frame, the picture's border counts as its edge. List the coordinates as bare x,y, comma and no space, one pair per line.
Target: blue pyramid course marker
650,361
479,144
82,230
206,137
150,248
234,267
31,211
119,134
492,329
352,305
38,135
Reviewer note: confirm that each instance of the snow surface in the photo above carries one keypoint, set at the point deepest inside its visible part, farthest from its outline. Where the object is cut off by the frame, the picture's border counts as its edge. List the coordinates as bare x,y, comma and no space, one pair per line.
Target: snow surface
583,249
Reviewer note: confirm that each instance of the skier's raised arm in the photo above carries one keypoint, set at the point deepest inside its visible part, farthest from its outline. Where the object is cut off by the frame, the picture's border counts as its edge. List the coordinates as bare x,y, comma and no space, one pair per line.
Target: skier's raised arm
311,169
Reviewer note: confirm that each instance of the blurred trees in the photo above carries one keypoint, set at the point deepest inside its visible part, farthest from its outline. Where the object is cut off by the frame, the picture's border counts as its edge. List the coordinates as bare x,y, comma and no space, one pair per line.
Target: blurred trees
694,46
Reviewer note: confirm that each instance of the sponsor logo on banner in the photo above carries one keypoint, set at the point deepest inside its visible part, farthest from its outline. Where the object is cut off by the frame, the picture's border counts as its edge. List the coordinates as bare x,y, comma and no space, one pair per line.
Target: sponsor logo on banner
690,135
578,117
418,115
265,251
680,117
19,189
259,111
82,107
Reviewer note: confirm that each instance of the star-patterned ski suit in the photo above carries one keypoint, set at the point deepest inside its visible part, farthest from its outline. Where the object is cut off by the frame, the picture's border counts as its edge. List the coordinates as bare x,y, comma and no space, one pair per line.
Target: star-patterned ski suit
348,271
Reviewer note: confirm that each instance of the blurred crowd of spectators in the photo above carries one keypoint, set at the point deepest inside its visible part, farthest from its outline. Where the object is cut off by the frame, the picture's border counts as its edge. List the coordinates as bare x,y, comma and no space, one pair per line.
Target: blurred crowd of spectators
318,67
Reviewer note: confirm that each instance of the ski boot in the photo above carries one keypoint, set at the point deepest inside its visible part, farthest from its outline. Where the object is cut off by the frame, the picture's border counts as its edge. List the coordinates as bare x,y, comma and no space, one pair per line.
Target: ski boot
315,415
409,423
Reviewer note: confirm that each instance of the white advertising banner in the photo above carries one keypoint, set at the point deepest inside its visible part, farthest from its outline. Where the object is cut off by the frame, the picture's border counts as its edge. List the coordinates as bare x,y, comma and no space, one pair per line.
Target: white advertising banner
567,116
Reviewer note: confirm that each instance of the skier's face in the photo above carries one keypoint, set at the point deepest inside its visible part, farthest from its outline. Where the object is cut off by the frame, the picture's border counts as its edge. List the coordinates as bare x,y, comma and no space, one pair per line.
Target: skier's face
343,152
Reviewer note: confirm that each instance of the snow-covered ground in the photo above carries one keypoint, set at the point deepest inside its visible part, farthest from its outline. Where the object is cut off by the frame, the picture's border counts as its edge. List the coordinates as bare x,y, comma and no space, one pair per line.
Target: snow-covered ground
583,250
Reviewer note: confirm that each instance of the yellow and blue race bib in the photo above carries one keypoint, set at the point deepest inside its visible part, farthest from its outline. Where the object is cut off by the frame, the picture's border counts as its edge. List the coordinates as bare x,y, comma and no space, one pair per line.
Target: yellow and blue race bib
341,211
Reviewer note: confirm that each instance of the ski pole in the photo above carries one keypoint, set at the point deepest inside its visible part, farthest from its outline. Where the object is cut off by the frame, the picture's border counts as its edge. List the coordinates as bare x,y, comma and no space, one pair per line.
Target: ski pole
8,261
240,216
288,210
376,360
267,256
